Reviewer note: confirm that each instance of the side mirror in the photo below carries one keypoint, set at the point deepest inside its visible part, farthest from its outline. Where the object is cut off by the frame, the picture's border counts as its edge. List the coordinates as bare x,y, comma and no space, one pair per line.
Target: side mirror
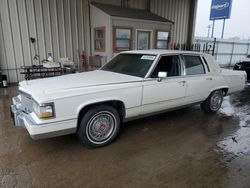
161,75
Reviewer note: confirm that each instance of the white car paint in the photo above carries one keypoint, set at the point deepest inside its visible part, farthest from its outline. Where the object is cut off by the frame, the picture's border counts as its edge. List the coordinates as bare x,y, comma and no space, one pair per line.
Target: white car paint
140,96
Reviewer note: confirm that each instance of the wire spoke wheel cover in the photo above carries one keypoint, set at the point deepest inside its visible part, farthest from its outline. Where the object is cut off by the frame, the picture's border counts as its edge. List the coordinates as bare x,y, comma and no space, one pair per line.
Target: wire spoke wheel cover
101,127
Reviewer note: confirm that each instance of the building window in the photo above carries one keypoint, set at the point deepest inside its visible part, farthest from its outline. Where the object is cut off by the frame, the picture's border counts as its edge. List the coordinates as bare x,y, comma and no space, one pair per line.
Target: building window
122,38
99,39
162,39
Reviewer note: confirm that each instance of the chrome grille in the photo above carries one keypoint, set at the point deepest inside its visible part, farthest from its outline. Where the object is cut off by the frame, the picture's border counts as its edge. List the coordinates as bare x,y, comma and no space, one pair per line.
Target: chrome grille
26,101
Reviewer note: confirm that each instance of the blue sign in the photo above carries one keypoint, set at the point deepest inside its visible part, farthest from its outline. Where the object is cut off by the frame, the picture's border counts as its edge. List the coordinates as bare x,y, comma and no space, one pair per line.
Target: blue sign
220,9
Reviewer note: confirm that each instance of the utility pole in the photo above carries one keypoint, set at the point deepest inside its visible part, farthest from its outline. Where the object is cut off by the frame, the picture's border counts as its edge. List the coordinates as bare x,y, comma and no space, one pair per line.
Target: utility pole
223,28
213,29
208,31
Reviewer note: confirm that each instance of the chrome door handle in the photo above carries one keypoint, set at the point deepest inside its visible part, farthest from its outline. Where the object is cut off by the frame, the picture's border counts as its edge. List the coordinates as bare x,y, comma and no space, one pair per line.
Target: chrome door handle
209,78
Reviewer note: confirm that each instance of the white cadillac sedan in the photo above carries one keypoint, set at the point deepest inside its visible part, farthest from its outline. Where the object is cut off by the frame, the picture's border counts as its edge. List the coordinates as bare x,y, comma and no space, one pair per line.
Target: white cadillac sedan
133,84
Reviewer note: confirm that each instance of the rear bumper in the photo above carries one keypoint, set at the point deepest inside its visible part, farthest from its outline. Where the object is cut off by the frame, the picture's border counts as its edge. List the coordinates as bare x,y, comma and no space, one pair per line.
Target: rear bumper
38,130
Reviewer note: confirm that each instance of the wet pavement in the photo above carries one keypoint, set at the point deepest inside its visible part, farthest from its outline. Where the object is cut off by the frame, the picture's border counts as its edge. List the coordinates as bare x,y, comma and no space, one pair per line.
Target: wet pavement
184,148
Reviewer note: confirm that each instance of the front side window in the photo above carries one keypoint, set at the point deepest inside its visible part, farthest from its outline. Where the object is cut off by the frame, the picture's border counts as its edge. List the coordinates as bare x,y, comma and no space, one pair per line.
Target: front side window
193,65
130,64
122,38
99,39
162,39
169,64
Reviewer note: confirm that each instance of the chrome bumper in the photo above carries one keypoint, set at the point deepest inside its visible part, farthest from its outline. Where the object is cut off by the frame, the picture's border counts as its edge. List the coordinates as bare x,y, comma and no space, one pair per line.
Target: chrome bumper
22,119
17,112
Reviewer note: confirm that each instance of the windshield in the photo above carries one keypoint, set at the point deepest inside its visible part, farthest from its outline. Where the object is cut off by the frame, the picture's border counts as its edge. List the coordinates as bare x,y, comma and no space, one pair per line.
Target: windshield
131,64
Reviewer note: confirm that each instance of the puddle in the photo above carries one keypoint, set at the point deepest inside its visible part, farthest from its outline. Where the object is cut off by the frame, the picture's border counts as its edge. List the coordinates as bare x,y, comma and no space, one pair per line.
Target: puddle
237,143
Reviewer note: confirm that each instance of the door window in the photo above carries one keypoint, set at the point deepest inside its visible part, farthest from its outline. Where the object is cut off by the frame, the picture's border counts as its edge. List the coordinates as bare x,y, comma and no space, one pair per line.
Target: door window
169,64
193,65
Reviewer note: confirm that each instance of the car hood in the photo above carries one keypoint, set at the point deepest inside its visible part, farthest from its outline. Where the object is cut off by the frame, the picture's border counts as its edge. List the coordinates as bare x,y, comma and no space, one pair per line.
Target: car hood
78,80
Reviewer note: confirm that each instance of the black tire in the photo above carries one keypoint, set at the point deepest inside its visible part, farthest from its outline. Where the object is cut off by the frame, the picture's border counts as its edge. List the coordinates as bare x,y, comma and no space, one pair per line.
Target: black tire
213,103
95,123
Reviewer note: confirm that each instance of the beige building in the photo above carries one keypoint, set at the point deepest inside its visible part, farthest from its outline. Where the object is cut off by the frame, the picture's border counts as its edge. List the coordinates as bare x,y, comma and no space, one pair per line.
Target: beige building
116,29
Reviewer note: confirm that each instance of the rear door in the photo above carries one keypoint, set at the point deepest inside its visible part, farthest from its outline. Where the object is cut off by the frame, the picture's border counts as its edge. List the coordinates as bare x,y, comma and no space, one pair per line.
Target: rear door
198,78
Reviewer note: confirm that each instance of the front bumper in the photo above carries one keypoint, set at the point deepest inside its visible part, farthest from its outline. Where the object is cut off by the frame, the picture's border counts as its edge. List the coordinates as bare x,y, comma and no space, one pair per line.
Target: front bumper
39,130
17,113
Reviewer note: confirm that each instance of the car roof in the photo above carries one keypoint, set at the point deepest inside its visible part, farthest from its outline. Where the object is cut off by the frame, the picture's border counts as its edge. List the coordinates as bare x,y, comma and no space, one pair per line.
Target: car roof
160,52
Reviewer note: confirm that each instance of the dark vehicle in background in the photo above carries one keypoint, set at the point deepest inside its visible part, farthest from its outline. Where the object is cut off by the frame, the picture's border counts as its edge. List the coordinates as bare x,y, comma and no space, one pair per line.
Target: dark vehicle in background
244,65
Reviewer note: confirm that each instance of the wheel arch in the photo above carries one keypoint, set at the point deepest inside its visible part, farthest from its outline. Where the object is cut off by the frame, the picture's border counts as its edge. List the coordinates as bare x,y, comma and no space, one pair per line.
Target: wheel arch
224,89
117,104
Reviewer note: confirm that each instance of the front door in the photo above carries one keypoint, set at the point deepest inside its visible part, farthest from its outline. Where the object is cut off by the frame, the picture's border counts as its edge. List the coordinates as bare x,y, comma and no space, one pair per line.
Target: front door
143,40
166,93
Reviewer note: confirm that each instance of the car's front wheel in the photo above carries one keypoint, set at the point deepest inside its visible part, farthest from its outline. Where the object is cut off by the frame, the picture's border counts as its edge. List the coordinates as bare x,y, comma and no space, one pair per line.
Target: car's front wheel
99,126
213,103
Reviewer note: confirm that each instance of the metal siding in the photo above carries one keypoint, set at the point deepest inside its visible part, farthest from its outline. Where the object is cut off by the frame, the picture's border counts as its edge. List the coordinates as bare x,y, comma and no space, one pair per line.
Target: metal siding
80,24
139,4
182,9
177,11
175,21
74,33
24,31
31,26
185,21
8,41
87,33
61,27
67,22
57,26
16,36
3,60
169,5
54,28
46,26
40,29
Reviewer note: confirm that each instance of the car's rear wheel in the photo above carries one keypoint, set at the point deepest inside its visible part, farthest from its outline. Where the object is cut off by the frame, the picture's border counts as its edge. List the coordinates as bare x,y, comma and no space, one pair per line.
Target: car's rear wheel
99,126
213,103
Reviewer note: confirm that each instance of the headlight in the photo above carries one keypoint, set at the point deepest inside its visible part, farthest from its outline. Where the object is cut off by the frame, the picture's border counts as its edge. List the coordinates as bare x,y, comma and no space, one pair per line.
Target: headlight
44,110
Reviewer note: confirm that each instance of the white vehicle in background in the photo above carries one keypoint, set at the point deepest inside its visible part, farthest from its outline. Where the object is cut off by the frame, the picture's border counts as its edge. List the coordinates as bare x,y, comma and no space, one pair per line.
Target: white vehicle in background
133,84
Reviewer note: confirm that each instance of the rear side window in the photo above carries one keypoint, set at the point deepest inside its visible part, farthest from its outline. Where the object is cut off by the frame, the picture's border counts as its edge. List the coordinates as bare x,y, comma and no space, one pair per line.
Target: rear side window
193,65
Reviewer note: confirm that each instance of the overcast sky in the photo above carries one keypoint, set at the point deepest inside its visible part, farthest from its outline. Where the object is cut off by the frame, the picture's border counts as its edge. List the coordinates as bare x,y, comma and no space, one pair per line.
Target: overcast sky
237,25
